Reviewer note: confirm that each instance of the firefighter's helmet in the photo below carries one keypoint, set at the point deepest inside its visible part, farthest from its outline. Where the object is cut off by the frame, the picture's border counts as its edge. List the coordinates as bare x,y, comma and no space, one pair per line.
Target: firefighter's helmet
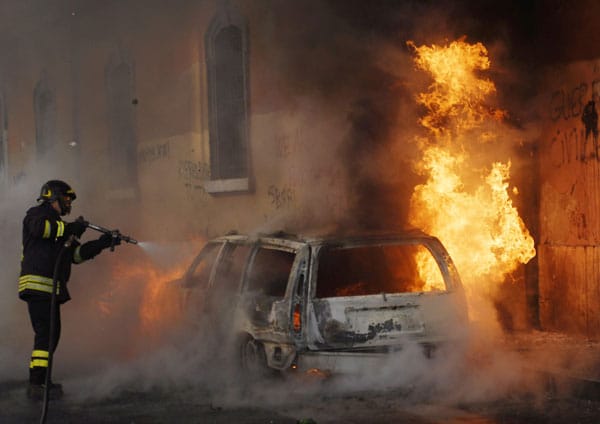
57,190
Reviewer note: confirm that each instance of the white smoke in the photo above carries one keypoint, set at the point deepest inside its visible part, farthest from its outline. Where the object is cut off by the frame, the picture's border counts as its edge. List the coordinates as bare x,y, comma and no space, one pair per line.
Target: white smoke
322,72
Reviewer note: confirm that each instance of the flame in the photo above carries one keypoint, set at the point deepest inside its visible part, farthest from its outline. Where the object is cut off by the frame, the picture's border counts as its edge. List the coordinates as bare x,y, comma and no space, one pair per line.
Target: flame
467,206
158,302
457,91
161,306
356,289
429,271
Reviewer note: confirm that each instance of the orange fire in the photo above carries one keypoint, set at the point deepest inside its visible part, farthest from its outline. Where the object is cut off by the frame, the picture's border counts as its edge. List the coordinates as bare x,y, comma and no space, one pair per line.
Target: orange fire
465,200
456,99
152,295
429,271
161,306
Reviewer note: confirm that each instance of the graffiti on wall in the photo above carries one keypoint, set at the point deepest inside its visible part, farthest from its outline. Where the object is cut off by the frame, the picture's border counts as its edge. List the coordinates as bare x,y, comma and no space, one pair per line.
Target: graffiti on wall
193,174
281,197
589,117
572,145
154,152
577,220
577,104
287,143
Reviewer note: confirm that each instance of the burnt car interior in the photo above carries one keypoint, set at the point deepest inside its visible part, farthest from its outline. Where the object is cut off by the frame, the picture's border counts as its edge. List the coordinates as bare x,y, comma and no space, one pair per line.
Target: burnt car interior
270,271
367,270
267,280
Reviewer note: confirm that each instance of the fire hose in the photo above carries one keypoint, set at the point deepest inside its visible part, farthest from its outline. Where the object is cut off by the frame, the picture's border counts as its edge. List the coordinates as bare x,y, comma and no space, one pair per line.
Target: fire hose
51,344
116,237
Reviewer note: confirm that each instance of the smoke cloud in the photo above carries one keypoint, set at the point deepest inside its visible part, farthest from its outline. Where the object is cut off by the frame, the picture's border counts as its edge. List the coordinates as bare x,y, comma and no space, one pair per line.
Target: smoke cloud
342,80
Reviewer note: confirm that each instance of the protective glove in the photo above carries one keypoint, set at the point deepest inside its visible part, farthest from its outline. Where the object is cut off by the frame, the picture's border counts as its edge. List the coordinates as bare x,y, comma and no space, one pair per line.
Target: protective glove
76,228
108,240
92,248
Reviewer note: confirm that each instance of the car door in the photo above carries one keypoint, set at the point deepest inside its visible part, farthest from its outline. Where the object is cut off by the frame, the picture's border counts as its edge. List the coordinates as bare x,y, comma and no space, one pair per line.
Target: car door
224,292
197,279
268,275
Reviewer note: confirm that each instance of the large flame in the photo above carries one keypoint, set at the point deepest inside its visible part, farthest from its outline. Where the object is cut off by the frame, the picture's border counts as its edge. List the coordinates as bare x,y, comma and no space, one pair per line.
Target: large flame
456,99
152,298
159,304
466,205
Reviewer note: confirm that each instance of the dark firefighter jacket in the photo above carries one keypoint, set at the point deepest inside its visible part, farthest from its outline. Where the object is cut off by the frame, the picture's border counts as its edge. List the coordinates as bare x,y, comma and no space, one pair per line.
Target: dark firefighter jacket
43,238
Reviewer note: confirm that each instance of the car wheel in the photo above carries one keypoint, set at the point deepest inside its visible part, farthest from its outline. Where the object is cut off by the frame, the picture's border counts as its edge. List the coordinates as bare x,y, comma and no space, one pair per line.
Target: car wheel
254,360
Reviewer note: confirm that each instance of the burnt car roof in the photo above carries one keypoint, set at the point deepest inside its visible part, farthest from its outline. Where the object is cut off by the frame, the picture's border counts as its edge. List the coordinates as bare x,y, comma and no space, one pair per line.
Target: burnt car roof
331,238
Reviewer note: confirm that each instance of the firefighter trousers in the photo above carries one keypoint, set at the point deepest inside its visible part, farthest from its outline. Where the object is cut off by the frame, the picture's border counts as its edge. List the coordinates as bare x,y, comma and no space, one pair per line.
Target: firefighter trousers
39,314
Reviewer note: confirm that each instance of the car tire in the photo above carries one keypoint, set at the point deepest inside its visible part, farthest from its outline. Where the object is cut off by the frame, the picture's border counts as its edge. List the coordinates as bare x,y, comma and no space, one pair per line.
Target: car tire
253,360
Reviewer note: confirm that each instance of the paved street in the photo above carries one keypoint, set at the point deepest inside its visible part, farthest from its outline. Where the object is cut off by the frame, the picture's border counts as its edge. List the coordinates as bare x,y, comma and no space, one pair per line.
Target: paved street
533,377
286,405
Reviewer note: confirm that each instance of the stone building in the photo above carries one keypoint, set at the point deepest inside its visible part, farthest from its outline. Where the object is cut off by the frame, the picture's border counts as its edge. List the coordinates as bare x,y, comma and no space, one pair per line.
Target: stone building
192,118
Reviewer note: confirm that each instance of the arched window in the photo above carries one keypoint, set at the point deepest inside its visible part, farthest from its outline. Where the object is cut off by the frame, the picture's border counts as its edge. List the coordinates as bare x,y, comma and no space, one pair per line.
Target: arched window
121,125
44,105
227,72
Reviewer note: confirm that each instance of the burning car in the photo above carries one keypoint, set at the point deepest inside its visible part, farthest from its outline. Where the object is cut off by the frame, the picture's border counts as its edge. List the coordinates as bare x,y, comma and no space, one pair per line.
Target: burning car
291,302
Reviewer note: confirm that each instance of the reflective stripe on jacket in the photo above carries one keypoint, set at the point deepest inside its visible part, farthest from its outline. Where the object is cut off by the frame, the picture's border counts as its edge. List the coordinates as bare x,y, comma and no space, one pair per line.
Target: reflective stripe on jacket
43,239
36,282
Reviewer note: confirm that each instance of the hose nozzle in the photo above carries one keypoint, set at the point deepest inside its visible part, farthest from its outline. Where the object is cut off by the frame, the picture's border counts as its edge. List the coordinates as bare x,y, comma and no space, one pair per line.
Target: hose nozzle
115,234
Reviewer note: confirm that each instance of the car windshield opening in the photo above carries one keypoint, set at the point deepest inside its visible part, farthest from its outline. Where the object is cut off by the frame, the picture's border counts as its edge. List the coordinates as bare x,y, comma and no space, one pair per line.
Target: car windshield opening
366,270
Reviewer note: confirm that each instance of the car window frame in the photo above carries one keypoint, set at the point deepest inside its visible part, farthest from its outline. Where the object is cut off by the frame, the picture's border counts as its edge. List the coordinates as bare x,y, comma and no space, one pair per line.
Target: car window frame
203,253
437,250
286,301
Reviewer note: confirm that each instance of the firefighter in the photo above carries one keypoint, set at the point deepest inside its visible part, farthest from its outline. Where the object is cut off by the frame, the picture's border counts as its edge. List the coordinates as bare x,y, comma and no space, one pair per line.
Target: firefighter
44,237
